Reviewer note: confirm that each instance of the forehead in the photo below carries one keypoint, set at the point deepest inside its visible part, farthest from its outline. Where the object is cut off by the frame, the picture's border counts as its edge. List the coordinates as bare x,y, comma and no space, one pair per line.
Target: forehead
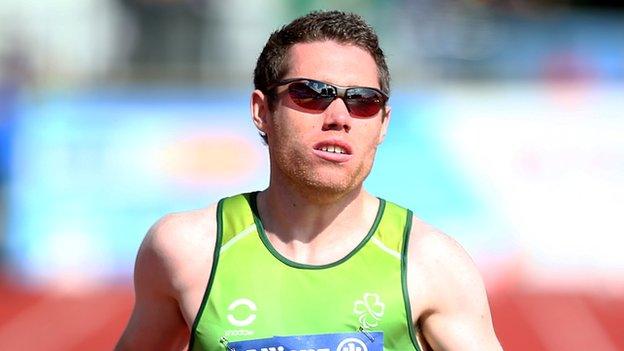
332,62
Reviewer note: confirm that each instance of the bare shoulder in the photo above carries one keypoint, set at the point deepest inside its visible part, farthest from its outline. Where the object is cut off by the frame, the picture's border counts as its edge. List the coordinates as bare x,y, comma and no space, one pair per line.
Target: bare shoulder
441,269
179,244
171,269
438,255
448,298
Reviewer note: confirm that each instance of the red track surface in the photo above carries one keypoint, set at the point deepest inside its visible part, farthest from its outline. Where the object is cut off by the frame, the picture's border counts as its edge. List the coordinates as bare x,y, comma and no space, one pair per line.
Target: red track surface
536,321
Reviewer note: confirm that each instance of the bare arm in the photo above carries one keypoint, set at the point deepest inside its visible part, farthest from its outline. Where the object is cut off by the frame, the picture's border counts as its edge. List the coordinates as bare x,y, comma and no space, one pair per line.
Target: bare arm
451,306
169,277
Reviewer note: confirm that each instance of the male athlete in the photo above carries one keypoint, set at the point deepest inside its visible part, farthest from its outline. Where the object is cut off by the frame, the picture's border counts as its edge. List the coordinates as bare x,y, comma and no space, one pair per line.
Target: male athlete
313,262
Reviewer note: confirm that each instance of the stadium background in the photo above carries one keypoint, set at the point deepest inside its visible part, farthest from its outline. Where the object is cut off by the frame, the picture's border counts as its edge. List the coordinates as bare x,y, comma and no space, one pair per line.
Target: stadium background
507,133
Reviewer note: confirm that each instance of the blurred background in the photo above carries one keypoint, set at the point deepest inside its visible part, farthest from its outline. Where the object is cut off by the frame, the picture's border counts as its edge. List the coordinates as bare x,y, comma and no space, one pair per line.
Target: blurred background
507,133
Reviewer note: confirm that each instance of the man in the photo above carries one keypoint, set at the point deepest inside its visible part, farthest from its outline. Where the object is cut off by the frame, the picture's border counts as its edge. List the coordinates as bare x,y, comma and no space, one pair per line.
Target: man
313,262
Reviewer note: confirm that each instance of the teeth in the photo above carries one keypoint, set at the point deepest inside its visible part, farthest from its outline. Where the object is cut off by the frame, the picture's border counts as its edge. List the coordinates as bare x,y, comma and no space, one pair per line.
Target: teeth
333,149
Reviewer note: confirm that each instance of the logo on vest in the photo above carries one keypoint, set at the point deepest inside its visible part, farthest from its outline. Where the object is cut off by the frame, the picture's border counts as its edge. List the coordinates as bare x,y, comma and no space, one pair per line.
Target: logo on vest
352,344
241,312
369,310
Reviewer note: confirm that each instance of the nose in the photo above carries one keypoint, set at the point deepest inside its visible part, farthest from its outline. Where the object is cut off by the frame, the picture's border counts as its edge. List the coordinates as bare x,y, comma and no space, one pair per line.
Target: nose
337,116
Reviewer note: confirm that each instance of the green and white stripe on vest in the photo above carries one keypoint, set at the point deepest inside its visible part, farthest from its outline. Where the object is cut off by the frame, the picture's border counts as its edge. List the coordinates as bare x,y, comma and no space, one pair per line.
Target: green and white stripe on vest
256,293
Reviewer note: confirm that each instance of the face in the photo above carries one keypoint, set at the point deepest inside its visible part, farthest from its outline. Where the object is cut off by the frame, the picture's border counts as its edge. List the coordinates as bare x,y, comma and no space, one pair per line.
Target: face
301,141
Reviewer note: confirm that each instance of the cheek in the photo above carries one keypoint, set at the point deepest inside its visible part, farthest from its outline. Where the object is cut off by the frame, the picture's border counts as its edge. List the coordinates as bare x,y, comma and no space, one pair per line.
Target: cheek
287,133
288,141
371,135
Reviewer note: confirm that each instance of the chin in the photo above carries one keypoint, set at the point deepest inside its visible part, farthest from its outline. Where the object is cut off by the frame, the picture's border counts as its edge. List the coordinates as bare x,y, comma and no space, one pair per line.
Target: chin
324,183
323,187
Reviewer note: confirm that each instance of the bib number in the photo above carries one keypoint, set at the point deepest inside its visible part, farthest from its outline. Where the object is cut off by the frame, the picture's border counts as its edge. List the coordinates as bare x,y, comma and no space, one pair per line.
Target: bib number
371,341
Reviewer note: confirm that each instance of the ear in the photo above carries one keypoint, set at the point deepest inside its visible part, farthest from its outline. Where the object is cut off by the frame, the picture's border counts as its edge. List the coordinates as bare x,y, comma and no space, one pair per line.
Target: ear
384,124
259,110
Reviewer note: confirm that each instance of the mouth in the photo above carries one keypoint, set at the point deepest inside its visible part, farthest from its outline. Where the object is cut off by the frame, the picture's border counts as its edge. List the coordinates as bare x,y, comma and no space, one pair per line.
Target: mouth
334,146
333,150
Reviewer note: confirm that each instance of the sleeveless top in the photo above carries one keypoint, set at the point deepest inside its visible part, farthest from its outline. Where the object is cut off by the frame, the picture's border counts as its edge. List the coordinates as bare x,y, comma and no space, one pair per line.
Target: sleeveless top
258,300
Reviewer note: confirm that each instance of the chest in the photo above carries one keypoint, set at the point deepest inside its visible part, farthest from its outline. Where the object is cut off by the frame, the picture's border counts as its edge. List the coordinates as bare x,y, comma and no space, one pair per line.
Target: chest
255,295
293,301
258,298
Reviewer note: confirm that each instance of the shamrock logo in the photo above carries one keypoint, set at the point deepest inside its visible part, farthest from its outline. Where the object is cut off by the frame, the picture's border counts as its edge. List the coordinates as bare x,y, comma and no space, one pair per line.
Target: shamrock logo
369,310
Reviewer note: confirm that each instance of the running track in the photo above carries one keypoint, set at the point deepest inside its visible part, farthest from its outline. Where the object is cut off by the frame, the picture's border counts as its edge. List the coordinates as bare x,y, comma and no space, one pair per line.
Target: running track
536,321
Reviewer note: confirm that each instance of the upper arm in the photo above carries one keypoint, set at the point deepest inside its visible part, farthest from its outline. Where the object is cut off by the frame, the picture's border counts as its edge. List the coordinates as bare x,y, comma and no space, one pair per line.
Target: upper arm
164,279
156,321
454,312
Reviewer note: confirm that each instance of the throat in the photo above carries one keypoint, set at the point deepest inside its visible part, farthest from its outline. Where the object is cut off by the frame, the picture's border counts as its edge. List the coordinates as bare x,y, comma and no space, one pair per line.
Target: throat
321,251
316,235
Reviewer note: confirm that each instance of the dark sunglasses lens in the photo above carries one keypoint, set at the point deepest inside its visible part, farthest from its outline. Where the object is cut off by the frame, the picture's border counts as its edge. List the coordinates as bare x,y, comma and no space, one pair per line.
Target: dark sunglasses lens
364,102
303,94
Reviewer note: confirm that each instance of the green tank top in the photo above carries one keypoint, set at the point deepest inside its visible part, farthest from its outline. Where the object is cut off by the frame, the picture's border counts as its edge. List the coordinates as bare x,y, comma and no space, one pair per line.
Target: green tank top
255,295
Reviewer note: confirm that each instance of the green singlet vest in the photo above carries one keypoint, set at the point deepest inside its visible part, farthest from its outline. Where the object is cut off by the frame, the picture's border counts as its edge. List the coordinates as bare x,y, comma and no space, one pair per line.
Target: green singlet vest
256,293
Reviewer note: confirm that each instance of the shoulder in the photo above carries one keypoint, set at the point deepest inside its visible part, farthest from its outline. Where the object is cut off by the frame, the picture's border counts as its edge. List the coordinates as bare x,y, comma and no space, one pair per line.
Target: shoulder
441,268
448,299
170,266
431,247
176,247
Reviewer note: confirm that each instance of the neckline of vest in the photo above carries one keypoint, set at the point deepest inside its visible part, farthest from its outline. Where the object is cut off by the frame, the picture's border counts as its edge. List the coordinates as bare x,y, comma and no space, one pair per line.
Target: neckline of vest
252,200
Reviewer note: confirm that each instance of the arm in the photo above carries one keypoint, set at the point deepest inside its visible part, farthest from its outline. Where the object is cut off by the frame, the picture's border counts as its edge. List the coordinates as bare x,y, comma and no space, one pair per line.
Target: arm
451,306
169,278
156,322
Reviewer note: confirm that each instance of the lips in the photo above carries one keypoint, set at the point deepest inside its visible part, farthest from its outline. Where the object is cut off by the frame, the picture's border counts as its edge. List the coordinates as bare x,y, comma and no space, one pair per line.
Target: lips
333,150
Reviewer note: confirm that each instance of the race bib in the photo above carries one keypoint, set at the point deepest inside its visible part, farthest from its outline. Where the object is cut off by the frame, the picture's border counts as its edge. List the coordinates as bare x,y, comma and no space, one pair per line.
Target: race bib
371,341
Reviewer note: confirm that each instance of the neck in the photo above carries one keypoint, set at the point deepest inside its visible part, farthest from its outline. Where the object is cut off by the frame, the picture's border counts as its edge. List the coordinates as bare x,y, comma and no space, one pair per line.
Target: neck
293,215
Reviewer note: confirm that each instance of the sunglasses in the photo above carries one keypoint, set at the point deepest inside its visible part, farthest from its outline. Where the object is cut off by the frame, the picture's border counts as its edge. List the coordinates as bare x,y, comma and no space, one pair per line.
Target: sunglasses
317,96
